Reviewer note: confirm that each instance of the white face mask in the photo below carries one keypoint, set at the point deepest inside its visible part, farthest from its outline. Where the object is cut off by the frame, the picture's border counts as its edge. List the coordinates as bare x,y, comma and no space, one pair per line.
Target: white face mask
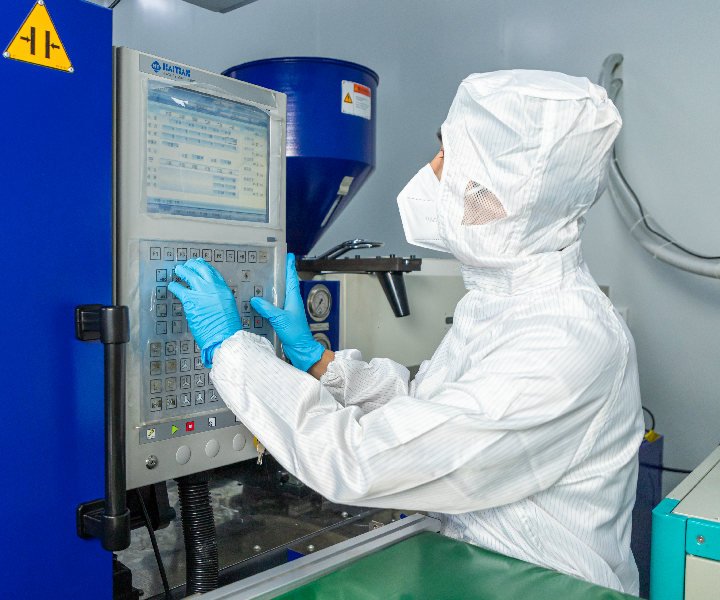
418,210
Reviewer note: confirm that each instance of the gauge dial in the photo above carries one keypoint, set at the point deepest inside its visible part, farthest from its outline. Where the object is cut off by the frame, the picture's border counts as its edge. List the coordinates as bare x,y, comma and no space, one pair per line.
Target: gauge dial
323,339
319,302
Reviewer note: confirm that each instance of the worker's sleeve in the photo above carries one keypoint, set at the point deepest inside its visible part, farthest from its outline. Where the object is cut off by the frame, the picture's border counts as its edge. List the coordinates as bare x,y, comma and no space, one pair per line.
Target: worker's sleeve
516,421
351,381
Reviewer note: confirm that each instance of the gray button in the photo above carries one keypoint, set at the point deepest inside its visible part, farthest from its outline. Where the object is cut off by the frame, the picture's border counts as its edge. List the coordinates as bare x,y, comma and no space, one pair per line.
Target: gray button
183,455
184,364
156,386
258,290
197,348
177,309
199,397
161,292
229,255
246,275
246,306
155,404
263,256
171,402
185,382
154,253
218,256
199,379
161,275
239,442
198,363
241,256
177,326
212,395
155,348
185,346
161,310
155,367
161,327
252,256
170,366
207,255
182,253
194,252
171,384
168,254
212,448
185,399
246,322
170,348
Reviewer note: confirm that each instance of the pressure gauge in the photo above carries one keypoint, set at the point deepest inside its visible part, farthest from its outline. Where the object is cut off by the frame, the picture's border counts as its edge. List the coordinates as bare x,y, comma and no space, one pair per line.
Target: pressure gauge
319,302
323,339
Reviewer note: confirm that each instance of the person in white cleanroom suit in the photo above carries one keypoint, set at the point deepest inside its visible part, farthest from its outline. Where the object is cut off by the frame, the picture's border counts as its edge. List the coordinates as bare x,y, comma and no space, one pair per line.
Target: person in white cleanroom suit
522,430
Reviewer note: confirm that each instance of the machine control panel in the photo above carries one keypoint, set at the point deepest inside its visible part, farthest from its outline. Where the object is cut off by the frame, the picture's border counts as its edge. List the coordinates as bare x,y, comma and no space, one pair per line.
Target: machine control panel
175,385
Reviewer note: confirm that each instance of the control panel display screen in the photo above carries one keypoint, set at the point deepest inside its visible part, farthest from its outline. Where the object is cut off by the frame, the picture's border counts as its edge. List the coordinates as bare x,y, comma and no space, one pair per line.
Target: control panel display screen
206,156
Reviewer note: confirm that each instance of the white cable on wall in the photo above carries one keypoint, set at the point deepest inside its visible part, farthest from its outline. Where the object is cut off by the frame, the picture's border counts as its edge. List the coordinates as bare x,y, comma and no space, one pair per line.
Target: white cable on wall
658,243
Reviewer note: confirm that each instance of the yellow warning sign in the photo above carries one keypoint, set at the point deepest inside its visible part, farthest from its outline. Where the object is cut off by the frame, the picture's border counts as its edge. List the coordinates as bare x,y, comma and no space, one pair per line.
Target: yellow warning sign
38,42
348,99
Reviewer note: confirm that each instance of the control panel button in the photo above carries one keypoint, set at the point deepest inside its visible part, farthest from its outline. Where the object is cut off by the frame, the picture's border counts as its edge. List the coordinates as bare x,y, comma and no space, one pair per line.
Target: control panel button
246,322
218,256
199,379
150,433
155,404
229,255
155,349
170,366
196,347
184,365
258,322
263,256
241,256
198,363
169,254
207,255
199,397
212,395
161,310
161,292
252,256
239,442
183,454
161,327
246,275
185,346
182,254
212,448
171,402
258,290
155,367
161,275
185,399
245,306
156,386
190,426
194,252
177,309
212,421
171,384
177,326
185,382
155,253
170,348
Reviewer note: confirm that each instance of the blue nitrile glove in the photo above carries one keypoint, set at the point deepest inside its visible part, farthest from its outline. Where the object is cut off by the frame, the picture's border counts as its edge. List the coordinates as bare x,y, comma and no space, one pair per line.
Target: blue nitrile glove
290,324
209,304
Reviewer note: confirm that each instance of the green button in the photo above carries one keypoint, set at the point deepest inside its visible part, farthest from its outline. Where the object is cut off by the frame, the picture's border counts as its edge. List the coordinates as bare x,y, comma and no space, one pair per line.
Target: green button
173,430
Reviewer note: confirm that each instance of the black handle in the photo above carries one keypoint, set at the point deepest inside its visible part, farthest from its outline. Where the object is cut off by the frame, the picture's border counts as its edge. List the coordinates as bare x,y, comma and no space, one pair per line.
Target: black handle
110,325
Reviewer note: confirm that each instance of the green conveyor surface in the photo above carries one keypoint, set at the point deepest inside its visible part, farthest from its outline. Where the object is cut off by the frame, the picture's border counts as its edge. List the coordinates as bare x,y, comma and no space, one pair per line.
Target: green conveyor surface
432,566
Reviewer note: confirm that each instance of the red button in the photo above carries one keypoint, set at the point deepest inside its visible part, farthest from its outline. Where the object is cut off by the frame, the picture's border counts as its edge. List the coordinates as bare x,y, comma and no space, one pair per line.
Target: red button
190,425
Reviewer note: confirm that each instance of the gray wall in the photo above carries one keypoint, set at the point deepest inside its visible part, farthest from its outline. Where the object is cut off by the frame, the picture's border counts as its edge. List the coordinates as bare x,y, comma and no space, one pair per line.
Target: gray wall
422,48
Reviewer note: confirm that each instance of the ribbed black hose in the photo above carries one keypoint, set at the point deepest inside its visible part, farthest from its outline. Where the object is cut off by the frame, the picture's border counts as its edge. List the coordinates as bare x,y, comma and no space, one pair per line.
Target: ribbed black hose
201,550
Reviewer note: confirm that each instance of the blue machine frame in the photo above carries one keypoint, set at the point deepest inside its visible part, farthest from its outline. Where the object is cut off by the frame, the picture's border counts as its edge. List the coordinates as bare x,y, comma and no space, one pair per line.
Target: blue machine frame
55,178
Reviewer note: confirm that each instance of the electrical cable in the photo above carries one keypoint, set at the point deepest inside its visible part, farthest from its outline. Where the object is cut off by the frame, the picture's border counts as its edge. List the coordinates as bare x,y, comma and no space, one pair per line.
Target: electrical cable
663,468
646,223
153,540
114,4
652,418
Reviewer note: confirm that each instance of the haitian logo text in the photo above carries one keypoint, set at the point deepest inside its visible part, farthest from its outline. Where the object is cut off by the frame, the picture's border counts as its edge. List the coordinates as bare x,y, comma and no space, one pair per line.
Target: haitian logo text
170,69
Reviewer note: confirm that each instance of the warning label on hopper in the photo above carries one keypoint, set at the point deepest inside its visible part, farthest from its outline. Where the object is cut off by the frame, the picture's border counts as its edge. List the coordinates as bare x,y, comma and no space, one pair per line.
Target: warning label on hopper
356,99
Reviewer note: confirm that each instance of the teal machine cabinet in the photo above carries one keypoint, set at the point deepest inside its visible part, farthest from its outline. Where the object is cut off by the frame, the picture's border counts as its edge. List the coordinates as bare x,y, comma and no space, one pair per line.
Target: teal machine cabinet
686,537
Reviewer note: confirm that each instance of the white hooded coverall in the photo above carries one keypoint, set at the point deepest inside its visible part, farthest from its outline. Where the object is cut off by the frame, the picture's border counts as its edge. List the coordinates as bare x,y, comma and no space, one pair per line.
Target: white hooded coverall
523,428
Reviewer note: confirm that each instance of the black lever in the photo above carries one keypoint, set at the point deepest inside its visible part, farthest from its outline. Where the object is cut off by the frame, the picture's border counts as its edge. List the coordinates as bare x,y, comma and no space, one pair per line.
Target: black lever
108,519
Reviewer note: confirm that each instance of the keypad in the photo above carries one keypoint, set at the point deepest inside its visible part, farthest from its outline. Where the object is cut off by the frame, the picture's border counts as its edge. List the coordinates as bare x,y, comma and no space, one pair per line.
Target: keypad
175,381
